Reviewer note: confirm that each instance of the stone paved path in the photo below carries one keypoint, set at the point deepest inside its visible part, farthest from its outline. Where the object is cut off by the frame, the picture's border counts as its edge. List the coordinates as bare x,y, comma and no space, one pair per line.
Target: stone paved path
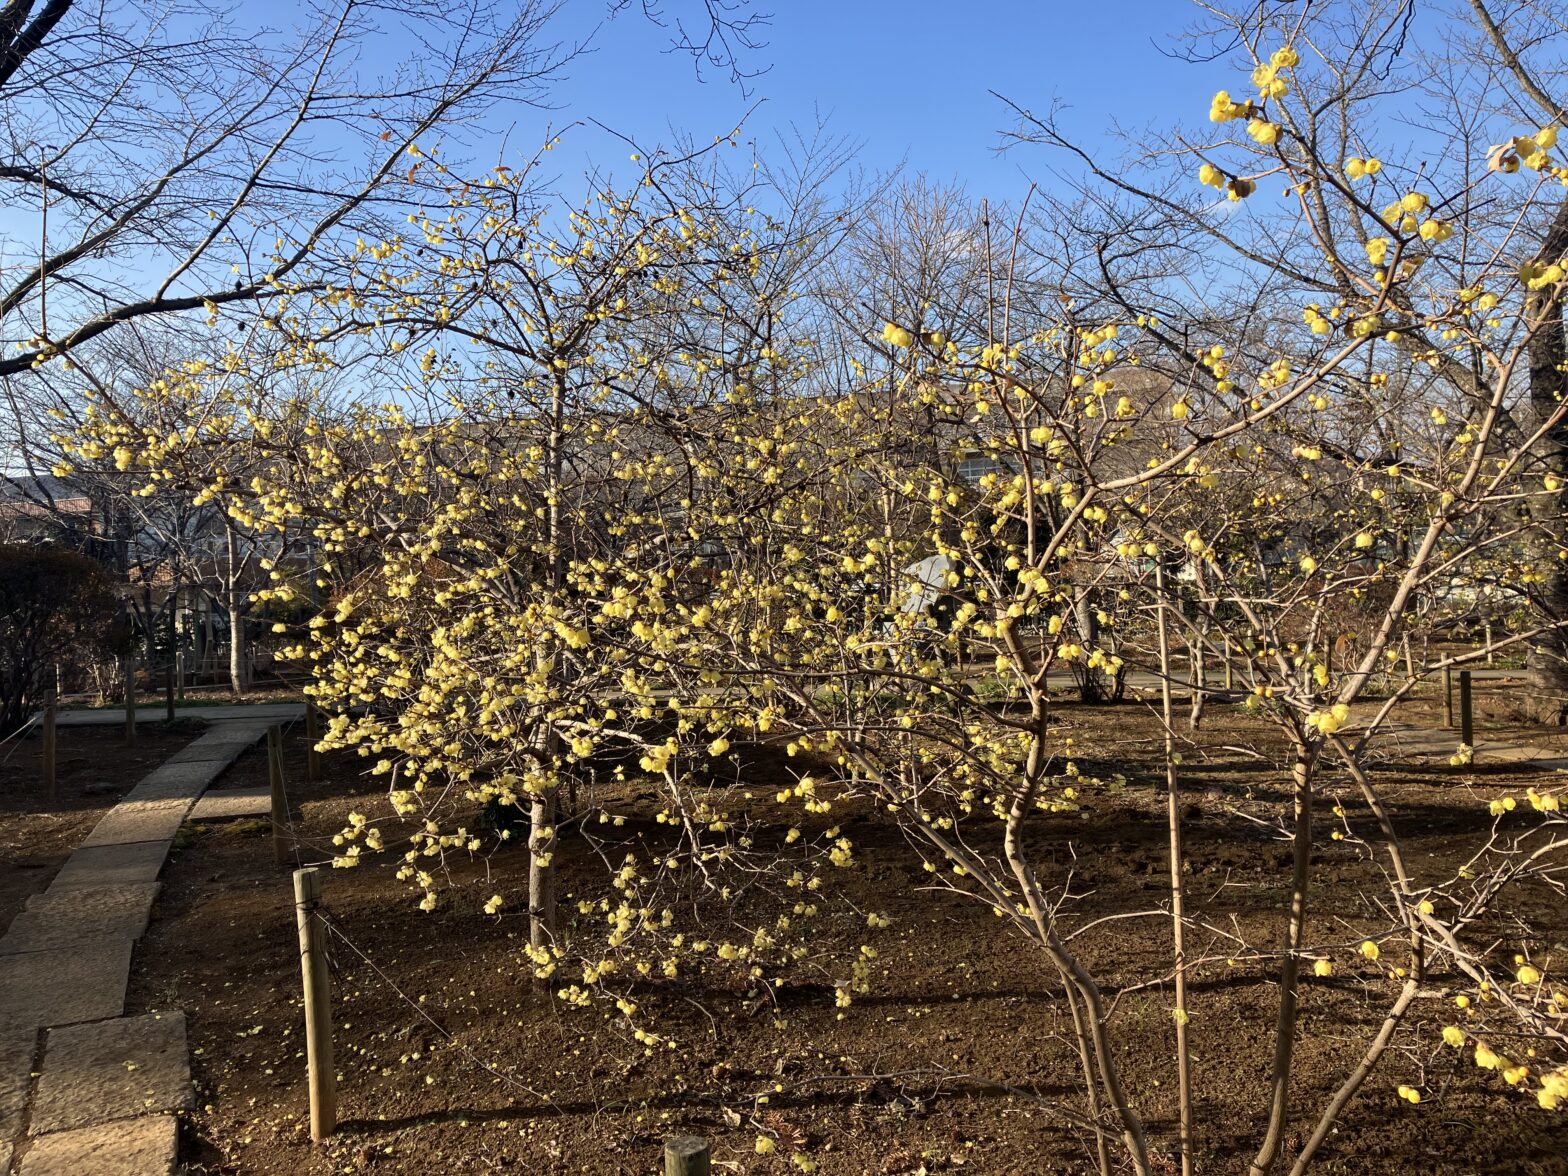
1406,741
84,1089
248,713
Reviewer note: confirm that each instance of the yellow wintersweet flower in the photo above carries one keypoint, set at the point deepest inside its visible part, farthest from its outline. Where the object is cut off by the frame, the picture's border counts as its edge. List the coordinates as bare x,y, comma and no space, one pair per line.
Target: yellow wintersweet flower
896,336
1369,949
1270,85
1537,276
1554,1089
1222,109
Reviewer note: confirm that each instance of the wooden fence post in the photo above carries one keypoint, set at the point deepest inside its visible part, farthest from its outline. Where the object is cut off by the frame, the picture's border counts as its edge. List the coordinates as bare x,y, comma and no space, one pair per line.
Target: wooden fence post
321,1069
49,745
687,1155
312,734
128,675
1448,697
1466,716
280,803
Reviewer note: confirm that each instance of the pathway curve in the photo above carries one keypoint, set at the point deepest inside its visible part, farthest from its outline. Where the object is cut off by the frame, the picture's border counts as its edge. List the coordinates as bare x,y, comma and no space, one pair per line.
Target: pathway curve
84,1088
1548,751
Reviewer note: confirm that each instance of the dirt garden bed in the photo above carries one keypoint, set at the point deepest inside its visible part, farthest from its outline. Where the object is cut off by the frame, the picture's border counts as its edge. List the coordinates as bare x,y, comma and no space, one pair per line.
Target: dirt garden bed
454,1059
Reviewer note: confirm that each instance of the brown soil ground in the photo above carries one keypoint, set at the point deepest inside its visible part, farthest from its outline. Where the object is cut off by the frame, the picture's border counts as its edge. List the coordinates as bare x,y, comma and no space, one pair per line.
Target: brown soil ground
38,833
955,1062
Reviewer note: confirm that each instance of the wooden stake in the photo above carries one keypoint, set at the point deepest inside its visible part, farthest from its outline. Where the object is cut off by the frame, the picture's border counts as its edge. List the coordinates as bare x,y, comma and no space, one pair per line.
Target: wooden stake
320,1068
687,1155
1491,656
1466,717
128,675
280,803
49,776
1448,697
312,734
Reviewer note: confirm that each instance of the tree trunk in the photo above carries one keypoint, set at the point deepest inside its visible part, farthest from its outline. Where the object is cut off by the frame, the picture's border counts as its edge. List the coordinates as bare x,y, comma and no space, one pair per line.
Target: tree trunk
149,634
541,870
239,669
239,675
542,813
1549,652
1092,686
1200,681
1290,967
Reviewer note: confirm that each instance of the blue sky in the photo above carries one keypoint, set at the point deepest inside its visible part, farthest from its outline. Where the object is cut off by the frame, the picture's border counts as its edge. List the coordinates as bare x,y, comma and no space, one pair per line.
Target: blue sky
910,82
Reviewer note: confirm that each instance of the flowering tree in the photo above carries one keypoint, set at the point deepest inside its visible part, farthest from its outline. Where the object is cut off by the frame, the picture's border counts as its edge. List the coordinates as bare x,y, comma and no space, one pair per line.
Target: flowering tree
619,505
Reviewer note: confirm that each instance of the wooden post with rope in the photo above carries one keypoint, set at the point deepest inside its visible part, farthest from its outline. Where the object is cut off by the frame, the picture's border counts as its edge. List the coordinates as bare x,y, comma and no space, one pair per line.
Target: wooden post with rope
1466,714
312,735
50,708
320,1067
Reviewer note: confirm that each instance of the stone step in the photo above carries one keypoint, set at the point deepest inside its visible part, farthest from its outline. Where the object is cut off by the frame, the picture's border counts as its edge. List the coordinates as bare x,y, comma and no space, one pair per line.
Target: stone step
73,915
133,1147
84,982
18,1048
225,803
109,1070
131,864
139,820
176,781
